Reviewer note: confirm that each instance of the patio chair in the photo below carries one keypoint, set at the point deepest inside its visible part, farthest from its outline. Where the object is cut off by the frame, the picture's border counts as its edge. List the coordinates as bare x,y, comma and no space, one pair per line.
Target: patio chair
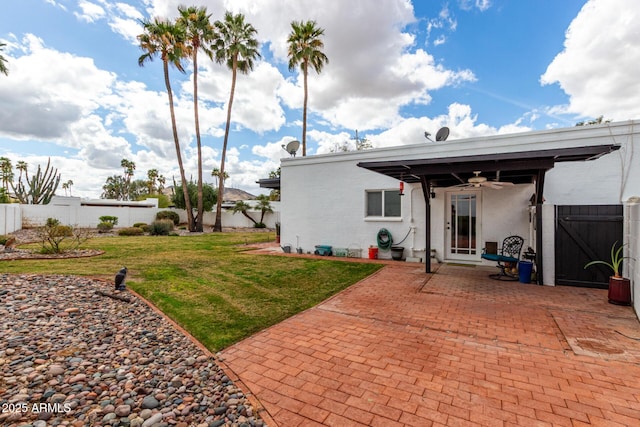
507,258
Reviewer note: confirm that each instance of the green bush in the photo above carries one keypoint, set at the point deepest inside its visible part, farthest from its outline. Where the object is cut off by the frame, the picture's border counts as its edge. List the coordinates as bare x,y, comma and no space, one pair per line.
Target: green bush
54,229
259,225
161,228
56,238
130,231
113,220
3,239
104,227
170,215
4,196
143,226
63,231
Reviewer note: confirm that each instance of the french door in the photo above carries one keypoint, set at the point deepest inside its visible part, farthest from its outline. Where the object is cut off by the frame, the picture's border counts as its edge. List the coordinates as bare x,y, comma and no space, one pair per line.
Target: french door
463,225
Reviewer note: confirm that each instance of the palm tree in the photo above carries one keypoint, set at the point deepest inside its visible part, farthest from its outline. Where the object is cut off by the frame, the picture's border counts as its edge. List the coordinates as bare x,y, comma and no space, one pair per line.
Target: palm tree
264,204
305,49
152,179
21,165
6,172
216,173
129,167
167,39
243,207
200,34
3,62
236,46
67,186
161,181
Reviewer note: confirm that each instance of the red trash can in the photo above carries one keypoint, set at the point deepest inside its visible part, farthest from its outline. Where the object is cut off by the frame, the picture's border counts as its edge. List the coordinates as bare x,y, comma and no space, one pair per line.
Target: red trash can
373,252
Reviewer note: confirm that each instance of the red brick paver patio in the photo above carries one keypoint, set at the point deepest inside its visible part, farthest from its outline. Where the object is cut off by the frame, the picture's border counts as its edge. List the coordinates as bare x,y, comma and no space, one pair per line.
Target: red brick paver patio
403,348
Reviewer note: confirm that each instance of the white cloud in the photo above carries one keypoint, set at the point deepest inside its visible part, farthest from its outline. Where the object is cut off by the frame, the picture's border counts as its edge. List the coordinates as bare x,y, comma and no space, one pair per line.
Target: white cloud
91,12
600,50
41,105
481,5
102,117
56,4
460,120
388,73
272,151
127,28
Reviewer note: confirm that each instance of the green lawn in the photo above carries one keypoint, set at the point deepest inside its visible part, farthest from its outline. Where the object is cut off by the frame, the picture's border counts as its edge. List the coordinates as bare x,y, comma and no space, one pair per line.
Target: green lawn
208,283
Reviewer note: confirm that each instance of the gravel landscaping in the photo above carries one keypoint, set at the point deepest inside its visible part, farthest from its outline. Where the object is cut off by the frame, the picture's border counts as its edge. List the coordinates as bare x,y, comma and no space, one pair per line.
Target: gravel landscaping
72,356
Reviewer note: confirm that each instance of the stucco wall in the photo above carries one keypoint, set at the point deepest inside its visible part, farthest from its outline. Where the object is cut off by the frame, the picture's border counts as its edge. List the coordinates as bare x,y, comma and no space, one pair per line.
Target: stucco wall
632,238
10,218
324,204
324,195
599,182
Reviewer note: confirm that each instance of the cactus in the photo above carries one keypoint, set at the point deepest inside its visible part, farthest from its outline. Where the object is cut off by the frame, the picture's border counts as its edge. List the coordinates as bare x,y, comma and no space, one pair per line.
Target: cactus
41,187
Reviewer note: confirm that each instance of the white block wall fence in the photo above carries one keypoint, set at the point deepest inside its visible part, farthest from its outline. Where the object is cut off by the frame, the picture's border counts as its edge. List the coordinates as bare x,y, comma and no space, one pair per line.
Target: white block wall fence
14,217
10,218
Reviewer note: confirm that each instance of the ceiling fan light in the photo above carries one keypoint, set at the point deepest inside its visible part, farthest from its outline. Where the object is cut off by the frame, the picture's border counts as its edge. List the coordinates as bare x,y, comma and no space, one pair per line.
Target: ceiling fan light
477,180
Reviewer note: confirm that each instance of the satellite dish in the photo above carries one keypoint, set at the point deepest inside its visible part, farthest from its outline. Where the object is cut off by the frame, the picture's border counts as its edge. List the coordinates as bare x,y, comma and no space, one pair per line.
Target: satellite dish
442,134
292,147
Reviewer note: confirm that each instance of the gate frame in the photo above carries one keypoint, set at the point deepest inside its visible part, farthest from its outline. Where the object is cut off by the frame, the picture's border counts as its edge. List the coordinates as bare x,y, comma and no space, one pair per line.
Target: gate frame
583,246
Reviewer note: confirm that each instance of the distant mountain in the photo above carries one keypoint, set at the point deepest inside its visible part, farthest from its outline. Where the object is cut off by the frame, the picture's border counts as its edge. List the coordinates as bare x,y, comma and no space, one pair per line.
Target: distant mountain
235,194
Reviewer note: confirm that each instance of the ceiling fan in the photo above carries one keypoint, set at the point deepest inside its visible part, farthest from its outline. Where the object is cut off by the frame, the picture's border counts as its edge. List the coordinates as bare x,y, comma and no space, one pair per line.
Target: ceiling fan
478,181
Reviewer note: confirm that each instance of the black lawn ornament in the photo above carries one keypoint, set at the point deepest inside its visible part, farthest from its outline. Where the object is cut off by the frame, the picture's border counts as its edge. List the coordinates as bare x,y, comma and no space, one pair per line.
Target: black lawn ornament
120,276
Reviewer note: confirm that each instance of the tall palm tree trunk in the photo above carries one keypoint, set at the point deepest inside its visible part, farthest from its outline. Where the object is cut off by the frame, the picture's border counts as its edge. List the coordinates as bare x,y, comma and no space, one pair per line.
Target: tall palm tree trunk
218,224
200,208
304,113
174,128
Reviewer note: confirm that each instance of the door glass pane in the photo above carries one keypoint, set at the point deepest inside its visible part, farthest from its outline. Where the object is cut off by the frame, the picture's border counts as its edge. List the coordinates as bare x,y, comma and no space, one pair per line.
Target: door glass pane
463,224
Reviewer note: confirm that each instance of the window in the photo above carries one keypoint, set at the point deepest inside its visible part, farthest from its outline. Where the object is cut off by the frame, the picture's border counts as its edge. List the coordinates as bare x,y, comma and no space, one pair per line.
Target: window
383,203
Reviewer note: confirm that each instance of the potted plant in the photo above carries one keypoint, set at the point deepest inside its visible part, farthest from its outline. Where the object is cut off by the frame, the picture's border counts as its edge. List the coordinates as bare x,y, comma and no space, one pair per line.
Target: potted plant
619,287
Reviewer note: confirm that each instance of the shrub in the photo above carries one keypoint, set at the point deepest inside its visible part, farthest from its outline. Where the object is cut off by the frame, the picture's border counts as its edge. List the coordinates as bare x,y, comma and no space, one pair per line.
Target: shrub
3,239
143,226
104,227
4,196
170,215
259,225
56,238
131,231
161,228
113,220
63,231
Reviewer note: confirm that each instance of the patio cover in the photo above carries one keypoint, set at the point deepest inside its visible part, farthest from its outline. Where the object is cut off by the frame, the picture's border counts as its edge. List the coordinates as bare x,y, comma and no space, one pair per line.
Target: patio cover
521,167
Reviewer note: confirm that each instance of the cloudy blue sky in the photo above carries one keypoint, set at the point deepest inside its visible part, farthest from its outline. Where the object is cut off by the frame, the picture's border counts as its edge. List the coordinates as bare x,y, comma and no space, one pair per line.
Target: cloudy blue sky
397,68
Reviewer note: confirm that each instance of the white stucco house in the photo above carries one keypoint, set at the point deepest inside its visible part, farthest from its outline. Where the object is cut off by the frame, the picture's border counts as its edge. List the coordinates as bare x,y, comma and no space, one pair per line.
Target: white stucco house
576,174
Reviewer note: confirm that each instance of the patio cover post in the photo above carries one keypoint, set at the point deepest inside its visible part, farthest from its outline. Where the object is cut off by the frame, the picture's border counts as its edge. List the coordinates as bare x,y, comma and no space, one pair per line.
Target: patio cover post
427,201
539,199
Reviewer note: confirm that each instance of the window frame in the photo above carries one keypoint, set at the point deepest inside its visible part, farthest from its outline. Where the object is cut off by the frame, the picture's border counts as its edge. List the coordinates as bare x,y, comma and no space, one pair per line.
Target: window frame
382,207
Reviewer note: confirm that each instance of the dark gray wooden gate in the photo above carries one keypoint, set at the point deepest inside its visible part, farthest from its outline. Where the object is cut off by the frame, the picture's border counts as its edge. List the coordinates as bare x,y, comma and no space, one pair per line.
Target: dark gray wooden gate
583,234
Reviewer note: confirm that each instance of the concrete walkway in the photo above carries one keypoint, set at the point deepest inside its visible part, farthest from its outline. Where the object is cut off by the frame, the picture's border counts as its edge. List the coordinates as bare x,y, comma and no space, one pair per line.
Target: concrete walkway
403,348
